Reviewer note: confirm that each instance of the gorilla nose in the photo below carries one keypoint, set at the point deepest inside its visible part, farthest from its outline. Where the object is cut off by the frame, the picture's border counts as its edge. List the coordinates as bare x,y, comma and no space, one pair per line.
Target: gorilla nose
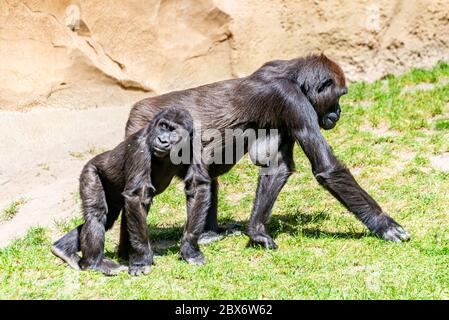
334,117
162,142
328,123
338,111
330,120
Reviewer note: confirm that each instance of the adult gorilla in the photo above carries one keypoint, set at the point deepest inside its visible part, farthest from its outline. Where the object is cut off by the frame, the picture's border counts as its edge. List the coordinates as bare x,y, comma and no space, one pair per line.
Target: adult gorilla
297,97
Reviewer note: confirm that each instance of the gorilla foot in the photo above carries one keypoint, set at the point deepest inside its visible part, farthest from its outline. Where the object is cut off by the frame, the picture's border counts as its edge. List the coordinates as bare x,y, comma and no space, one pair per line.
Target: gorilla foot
111,268
396,234
262,239
211,236
139,270
390,230
192,255
71,259
107,267
198,259
218,233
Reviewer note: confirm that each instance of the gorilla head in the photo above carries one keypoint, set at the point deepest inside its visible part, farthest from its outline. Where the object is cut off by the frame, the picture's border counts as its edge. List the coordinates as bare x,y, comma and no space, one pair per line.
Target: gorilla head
323,88
169,128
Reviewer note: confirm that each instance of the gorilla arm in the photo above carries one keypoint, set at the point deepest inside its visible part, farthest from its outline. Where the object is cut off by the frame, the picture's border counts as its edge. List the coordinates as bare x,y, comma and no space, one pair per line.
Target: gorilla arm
138,194
330,173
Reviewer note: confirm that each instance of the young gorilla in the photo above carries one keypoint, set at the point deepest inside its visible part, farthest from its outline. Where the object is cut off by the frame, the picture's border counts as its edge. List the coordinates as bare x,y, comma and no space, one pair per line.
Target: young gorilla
126,179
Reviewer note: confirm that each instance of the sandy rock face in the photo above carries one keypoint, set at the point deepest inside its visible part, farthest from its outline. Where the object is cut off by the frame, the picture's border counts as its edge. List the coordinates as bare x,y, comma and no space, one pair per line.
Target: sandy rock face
83,53
89,53
368,38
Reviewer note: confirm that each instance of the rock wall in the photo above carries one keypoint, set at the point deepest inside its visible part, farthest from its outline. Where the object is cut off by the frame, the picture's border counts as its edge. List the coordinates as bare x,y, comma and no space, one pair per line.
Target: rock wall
80,53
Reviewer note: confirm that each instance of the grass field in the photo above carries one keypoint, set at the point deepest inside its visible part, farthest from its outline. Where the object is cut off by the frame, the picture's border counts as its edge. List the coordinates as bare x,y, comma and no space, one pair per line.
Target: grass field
394,136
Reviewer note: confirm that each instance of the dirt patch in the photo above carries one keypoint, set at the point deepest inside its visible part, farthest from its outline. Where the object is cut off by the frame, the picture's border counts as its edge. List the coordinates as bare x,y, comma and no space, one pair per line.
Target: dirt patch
235,198
424,86
365,103
35,161
403,158
381,130
440,162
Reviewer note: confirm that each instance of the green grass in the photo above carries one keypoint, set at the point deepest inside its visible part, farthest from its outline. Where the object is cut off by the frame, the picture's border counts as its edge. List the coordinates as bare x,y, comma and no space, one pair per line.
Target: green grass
11,211
387,138
90,152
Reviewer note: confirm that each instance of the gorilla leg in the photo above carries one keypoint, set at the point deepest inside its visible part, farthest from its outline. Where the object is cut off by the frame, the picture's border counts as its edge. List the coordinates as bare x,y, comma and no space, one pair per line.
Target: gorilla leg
67,247
197,189
124,245
99,215
212,232
268,190
211,219
92,244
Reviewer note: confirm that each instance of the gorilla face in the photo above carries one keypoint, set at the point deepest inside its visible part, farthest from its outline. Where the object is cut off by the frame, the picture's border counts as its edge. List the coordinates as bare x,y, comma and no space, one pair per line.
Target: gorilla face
165,136
169,130
325,100
323,85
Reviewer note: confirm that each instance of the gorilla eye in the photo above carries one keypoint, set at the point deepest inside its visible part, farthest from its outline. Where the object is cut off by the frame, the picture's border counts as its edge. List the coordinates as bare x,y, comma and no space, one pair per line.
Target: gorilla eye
163,125
325,84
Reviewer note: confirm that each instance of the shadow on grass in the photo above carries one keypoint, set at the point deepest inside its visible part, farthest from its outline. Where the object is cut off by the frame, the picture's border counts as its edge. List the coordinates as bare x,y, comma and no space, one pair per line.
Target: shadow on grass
296,223
163,241
166,240
317,233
